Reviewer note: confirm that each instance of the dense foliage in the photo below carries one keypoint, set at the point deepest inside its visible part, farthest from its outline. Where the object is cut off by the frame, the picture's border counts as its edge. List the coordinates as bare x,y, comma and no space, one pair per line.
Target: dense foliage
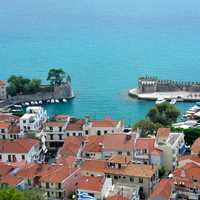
161,115
14,194
56,76
20,85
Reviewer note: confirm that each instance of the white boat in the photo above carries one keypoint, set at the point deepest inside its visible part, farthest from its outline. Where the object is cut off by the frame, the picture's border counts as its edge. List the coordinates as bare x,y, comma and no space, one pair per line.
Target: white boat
160,100
32,103
27,103
40,102
173,102
52,101
36,103
64,100
48,101
17,106
57,101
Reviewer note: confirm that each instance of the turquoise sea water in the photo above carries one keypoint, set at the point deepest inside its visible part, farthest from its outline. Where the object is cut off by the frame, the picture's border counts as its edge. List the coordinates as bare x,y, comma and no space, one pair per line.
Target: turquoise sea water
104,45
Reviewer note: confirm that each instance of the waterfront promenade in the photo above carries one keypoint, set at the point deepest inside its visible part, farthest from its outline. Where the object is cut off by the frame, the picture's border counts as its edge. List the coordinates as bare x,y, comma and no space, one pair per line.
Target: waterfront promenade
182,95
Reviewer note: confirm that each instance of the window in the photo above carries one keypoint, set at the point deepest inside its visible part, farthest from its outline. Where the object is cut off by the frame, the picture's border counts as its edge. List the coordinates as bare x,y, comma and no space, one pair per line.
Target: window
60,129
120,153
140,180
128,153
51,128
60,195
4,137
15,137
47,185
74,134
115,177
60,137
105,132
24,121
86,132
67,134
131,179
0,156
98,132
51,137
80,134
48,194
2,130
59,185
9,158
23,157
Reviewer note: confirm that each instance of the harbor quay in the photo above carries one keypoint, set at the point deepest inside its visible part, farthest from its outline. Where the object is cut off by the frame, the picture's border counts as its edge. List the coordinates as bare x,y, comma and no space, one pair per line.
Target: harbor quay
181,95
152,88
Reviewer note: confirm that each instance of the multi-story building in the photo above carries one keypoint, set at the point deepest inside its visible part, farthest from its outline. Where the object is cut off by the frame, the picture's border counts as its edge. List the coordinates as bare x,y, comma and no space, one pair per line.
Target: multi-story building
103,127
171,144
97,187
59,182
2,90
33,119
123,173
19,150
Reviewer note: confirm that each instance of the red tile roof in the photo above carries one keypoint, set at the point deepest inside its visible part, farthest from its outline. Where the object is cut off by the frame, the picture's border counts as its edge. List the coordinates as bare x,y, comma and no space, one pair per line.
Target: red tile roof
5,169
187,174
120,159
7,117
145,143
117,197
162,190
71,146
2,83
94,166
107,122
4,125
163,132
194,158
11,180
196,146
17,146
75,125
57,174
120,142
55,124
94,143
91,183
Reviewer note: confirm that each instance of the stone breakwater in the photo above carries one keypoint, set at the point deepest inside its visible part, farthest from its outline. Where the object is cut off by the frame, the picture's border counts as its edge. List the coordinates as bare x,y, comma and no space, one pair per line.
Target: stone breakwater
151,88
63,91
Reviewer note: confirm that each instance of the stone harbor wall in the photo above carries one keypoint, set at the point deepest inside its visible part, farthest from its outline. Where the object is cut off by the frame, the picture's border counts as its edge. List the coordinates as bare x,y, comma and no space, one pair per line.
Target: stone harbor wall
63,91
153,84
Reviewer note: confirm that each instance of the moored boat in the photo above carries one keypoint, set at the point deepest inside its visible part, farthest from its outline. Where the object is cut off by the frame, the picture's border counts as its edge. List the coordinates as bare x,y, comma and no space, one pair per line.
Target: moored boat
160,100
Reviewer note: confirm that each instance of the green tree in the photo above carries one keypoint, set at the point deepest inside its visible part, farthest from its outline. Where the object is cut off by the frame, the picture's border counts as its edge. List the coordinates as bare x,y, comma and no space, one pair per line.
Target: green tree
164,114
162,172
56,76
11,194
146,127
34,194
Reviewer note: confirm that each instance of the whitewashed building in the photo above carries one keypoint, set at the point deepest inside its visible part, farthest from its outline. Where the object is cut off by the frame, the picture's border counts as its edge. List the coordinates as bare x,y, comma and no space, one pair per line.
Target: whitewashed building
2,90
19,150
34,119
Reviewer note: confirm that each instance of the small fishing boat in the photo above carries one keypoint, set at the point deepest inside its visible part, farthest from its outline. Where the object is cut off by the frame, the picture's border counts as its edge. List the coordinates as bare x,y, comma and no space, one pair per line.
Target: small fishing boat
57,101
26,103
173,102
64,100
160,100
32,103
36,103
17,106
40,102
48,101
52,101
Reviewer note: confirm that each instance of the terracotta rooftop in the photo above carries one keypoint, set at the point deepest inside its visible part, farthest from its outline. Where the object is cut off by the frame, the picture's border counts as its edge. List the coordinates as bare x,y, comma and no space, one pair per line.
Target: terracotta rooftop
94,166
187,174
57,174
5,169
162,190
71,146
2,83
94,143
91,183
120,141
55,124
145,143
7,117
196,146
136,170
17,146
32,170
117,197
75,125
107,122
163,132
193,158
120,159
11,180
4,125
